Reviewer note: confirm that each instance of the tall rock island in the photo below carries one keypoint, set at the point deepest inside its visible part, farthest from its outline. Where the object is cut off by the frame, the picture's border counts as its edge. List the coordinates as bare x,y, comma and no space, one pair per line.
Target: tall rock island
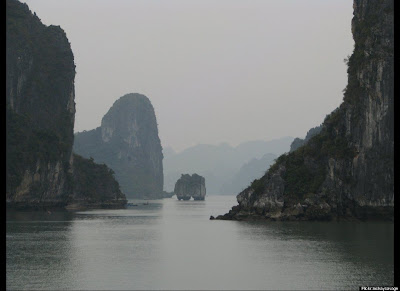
40,113
346,170
189,186
127,141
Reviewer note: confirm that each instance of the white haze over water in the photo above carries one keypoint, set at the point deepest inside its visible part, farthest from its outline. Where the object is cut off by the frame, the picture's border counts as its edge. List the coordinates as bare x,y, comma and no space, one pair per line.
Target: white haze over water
215,71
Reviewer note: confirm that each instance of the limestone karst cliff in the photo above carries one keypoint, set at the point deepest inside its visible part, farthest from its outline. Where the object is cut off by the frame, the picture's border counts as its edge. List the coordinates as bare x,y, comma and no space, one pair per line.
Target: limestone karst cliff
189,186
127,141
40,111
345,171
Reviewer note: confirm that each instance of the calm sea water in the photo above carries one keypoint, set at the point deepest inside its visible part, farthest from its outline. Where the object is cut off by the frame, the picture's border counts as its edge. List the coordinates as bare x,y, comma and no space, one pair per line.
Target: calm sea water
171,244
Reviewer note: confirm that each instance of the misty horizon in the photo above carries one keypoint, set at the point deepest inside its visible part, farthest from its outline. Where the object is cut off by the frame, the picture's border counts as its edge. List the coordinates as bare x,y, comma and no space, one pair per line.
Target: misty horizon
226,144
215,72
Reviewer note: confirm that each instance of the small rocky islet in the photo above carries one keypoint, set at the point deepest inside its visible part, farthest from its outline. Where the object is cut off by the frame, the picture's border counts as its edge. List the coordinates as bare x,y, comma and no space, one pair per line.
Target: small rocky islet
190,186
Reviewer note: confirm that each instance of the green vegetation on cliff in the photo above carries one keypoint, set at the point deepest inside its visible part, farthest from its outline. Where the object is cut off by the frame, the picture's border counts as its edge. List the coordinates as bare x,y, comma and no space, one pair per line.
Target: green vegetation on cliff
94,182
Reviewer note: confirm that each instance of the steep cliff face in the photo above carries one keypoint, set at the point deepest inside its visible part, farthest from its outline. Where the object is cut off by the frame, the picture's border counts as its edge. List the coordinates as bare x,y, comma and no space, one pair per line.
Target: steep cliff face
127,141
190,186
347,169
40,111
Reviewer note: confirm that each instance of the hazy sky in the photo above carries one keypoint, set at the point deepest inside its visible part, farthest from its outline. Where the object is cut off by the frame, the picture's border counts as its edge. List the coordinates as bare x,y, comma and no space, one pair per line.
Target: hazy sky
215,70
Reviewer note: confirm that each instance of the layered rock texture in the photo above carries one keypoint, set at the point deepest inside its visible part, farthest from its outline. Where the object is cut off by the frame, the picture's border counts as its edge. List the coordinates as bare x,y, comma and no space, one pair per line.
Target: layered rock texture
40,111
345,171
189,186
127,141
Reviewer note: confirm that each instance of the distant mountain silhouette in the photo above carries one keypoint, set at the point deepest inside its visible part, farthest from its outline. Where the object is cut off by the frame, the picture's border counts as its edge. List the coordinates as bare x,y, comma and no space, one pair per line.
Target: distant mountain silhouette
247,173
218,164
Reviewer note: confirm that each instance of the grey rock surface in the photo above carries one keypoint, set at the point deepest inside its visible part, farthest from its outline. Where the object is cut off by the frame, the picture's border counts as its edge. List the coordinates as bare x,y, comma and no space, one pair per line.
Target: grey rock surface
189,186
127,141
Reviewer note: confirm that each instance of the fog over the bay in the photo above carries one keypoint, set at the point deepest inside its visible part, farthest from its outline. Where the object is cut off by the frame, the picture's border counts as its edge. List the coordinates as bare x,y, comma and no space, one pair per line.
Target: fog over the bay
215,70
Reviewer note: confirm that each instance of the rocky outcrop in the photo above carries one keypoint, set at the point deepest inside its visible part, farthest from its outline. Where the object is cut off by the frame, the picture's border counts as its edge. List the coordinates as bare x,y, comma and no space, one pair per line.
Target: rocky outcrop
40,112
298,142
94,186
190,186
345,171
127,141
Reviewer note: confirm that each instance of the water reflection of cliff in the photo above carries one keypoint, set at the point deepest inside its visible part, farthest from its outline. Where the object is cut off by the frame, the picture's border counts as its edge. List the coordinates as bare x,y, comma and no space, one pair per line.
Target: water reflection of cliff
143,246
118,249
42,264
356,254
37,216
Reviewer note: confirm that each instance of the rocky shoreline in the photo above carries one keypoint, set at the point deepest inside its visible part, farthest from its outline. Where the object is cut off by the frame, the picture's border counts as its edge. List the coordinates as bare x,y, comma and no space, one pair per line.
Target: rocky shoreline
301,213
